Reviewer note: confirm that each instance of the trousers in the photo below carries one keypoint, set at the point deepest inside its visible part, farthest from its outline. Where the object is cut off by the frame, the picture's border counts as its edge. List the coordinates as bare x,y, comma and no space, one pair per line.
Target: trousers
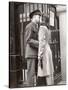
31,71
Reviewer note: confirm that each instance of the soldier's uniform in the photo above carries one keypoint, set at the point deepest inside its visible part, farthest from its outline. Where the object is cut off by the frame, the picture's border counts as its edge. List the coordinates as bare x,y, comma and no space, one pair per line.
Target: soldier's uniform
31,50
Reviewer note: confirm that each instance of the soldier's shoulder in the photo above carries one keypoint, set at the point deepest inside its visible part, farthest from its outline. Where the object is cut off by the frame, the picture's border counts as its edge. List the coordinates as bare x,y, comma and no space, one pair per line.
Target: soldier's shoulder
29,25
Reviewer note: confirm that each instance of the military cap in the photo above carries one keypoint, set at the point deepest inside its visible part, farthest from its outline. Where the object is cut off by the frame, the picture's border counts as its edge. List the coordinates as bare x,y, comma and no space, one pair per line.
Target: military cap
35,12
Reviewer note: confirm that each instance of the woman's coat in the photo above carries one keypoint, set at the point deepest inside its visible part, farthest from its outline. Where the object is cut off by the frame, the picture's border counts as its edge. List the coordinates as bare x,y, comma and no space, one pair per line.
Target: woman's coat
45,53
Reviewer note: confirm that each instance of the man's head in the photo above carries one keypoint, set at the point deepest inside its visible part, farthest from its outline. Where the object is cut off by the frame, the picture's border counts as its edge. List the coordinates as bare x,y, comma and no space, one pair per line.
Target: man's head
35,16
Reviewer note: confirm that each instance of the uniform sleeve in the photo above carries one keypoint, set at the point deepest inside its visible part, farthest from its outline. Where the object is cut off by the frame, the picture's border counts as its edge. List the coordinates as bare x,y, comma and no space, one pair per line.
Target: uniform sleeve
29,38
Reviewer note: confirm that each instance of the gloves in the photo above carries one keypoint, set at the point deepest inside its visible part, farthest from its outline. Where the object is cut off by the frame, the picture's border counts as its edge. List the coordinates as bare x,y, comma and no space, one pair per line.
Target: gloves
41,63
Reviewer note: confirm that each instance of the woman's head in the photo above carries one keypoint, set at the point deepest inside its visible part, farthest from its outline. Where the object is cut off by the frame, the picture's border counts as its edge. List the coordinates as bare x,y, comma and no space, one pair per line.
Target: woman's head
44,20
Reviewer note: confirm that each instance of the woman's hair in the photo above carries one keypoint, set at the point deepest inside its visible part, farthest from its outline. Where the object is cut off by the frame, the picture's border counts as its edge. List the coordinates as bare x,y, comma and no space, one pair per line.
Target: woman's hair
45,21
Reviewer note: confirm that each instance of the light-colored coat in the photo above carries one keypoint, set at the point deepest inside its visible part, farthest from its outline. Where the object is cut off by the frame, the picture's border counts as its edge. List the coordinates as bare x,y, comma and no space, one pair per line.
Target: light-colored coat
45,52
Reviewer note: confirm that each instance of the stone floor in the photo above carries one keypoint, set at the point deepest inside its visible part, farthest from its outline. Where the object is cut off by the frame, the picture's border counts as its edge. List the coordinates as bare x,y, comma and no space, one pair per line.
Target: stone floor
62,83
25,84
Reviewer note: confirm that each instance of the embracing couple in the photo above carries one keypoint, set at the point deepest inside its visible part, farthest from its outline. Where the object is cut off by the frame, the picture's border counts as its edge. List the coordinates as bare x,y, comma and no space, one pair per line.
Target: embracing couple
37,52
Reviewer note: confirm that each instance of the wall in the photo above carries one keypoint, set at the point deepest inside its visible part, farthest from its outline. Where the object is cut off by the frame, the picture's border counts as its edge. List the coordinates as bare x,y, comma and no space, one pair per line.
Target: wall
62,25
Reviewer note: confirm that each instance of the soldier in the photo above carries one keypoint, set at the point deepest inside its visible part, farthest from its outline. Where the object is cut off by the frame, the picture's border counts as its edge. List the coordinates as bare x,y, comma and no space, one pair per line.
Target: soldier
31,48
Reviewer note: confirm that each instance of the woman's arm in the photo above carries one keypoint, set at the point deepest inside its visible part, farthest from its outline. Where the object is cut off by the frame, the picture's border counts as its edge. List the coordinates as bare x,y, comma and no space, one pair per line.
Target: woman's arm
42,41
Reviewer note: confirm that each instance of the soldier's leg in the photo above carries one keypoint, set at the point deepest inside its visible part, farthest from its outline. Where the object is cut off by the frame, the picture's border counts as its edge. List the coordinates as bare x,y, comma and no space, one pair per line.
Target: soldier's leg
30,71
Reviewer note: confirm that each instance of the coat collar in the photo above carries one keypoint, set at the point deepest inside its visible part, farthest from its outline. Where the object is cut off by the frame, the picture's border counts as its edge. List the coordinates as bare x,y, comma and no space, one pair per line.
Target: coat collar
36,26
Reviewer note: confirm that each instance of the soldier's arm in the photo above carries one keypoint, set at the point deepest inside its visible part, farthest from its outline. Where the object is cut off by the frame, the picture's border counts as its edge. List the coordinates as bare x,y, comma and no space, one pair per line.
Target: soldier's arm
29,38
34,43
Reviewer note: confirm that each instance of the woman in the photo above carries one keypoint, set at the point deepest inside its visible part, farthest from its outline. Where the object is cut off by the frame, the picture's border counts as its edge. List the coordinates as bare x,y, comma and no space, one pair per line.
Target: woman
45,63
